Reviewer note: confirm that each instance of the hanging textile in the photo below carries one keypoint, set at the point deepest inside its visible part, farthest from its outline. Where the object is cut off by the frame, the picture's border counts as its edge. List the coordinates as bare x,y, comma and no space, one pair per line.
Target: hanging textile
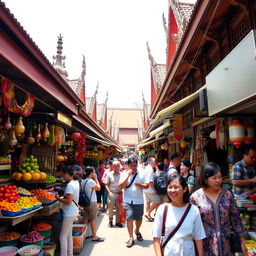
10,102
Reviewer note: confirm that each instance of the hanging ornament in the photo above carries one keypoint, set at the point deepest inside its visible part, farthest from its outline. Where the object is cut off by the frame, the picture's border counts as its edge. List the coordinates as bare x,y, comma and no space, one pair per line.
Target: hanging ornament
183,144
7,124
38,133
249,133
19,127
236,133
12,140
45,132
76,136
30,139
10,102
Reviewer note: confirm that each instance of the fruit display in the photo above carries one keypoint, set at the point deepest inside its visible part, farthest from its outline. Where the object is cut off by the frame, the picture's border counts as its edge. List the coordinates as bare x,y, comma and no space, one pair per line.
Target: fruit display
9,236
11,207
29,171
5,160
45,201
42,226
34,201
8,193
32,236
23,191
43,194
50,179
29,251
24,203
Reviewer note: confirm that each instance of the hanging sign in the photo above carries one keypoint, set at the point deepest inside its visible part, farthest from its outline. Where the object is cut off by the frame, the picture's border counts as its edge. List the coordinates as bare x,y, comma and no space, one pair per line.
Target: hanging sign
64,119
10,102
178,127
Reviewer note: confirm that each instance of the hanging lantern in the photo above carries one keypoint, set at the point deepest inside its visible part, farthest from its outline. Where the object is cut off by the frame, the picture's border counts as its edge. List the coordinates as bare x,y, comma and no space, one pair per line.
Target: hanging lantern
236,133
249,133
183,144
75,136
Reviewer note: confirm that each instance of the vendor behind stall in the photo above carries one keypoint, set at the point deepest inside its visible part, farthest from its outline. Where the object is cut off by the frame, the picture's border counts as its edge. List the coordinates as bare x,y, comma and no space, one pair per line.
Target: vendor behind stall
244,173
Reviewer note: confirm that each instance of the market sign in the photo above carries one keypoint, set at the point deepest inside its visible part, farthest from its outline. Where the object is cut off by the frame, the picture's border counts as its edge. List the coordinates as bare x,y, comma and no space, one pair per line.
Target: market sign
64,119
178,127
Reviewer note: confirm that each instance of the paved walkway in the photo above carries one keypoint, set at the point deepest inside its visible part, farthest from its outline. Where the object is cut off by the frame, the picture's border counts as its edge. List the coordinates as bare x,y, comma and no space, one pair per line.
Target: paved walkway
115,241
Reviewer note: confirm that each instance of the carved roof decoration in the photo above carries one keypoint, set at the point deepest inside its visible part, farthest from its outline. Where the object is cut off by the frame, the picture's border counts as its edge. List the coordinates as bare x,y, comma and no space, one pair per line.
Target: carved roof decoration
182,12
77,85
101,111
158,71
146,109
90,101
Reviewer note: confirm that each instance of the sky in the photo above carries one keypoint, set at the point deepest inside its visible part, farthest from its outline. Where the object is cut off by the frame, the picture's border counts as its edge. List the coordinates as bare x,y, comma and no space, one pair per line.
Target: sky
112,34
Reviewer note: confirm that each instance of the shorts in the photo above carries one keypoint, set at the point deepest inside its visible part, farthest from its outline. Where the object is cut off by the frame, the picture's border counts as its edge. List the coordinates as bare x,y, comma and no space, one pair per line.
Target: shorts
152,198
90,212
134,211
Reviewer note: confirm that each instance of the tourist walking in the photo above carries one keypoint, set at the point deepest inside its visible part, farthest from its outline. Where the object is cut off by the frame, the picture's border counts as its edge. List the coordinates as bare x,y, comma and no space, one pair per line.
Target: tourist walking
219,213
114,193
185,172
151,197
133,182
244,173
174,165
101,193
177,223
69,206
161,182
89,185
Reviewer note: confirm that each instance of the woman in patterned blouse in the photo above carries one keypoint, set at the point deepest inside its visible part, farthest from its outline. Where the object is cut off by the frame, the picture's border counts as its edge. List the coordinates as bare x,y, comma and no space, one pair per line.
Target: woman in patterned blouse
218,211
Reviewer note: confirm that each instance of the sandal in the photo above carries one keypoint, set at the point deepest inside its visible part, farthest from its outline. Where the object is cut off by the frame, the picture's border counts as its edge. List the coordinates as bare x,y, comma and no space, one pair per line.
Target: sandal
139,236
98,240
130,243
87,237
149,218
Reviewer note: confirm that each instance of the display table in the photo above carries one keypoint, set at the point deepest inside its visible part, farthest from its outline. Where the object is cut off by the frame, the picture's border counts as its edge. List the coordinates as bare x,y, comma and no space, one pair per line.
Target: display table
18,219
49,210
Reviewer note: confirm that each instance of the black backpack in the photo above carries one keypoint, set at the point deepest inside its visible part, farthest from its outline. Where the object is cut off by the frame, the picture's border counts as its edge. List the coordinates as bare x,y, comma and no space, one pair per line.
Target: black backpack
84,200
161,181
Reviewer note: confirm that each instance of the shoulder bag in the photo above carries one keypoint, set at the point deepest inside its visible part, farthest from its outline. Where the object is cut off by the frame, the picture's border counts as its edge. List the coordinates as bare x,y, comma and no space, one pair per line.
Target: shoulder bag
164,243
132,180
84,200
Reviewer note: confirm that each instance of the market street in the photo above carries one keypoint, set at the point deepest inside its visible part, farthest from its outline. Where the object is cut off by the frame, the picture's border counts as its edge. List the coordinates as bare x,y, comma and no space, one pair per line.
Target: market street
115,240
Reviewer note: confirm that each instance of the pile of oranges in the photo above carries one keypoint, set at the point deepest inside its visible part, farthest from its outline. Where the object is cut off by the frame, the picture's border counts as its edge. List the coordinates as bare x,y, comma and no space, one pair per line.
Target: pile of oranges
34,201
43,193
41,226
9,236
11,207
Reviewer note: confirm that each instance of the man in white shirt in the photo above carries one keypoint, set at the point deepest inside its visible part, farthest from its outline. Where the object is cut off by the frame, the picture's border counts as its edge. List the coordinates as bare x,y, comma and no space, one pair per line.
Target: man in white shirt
112,186
174,164
133,182
152,199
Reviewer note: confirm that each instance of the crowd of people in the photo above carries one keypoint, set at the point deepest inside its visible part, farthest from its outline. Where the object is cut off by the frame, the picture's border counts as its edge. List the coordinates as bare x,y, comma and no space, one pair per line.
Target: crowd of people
191,216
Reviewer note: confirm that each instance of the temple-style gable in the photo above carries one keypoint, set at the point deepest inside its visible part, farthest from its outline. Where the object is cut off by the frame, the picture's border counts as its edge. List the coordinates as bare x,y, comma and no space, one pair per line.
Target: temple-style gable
91,104
77,85
102,113
178,19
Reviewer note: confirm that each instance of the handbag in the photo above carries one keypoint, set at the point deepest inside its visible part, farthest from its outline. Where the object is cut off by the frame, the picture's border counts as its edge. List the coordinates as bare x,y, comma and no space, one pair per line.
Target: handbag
164,243
84,200
234,242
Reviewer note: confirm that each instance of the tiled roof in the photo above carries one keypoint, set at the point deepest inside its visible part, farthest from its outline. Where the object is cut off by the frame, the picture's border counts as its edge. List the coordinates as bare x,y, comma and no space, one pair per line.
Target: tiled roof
182,12
159,73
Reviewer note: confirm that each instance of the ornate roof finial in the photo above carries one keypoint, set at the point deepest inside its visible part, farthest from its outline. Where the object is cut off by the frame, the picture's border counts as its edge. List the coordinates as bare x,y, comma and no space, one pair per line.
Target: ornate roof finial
96,91
165,27
59,58
83,67
152,61
106,98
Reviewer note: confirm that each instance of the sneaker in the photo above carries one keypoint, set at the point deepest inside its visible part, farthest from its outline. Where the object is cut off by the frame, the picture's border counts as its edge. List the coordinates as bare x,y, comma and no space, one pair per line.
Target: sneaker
119,225
110,224
130,243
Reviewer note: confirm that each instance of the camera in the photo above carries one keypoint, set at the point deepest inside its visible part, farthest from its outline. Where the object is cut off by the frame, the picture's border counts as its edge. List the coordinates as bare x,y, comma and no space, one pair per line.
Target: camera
60,190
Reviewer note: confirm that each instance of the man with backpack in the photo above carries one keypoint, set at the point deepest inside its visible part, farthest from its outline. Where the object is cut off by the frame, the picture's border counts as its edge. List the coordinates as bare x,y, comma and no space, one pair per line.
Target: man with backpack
174,165
160,182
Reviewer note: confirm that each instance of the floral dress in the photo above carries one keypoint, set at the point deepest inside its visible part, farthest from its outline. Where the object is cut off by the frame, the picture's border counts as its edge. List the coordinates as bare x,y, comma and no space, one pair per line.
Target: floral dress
218,220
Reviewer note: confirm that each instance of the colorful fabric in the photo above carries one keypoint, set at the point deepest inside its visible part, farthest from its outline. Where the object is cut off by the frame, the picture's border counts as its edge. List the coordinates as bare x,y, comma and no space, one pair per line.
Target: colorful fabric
218,220
242,172
10,102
